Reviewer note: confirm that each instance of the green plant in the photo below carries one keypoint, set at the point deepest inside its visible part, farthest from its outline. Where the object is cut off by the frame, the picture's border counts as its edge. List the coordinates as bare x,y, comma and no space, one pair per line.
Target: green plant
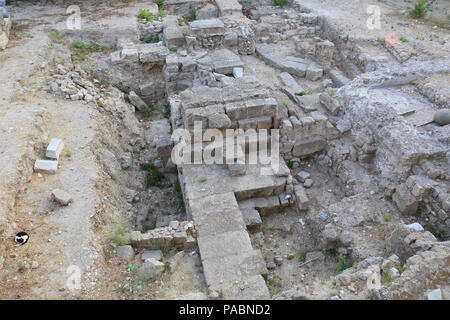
192,16
330,93
181,21
385,280
304,93
280,3
386,218
160,3
286,104
68,154
400,269
403,39
145,14
146,111
420,9
342,264
154,176
203,179
290,164
166,111
161,13
387,197
124,89
81,50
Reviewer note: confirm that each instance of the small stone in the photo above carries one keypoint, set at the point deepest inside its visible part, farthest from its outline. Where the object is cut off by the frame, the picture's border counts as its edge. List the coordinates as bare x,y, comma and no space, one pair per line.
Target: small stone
278,260
415,226
302,176
308,183
238,72
151,269
62,197
271,265
213,295
174,225
154,254
34,265
442,117
126,252
435,295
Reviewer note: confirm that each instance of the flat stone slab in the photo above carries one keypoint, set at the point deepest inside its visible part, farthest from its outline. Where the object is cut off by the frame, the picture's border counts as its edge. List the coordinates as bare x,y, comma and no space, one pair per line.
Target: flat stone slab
233,267
46,166
216,214
421,117
222,61
208,26
153,53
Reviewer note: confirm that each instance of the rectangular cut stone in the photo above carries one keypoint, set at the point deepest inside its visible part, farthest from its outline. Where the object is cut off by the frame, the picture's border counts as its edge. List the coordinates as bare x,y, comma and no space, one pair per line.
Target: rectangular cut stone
207,27
46,166
54,149
307,147
153,53
237,266
216,214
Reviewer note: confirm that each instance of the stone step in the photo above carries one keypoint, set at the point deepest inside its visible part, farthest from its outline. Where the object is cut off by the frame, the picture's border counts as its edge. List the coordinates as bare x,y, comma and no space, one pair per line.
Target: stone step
250,288
223,245
216,214
233,267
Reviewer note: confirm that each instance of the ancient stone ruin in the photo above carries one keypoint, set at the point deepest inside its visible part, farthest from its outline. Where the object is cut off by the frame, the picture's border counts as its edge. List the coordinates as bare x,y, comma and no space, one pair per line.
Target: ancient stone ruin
357,204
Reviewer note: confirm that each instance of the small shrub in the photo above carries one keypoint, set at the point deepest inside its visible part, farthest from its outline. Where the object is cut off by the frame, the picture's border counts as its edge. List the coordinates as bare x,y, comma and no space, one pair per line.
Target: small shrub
166,111
161,13
119,235
124,89
181,21
154,176
420,9
192,16
160,3
145,14
146,111
290,164
280,3
342,264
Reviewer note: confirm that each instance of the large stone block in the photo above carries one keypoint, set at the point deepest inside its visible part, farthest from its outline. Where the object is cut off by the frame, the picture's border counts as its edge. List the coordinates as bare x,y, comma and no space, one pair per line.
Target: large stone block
309,146
152,53
405,201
